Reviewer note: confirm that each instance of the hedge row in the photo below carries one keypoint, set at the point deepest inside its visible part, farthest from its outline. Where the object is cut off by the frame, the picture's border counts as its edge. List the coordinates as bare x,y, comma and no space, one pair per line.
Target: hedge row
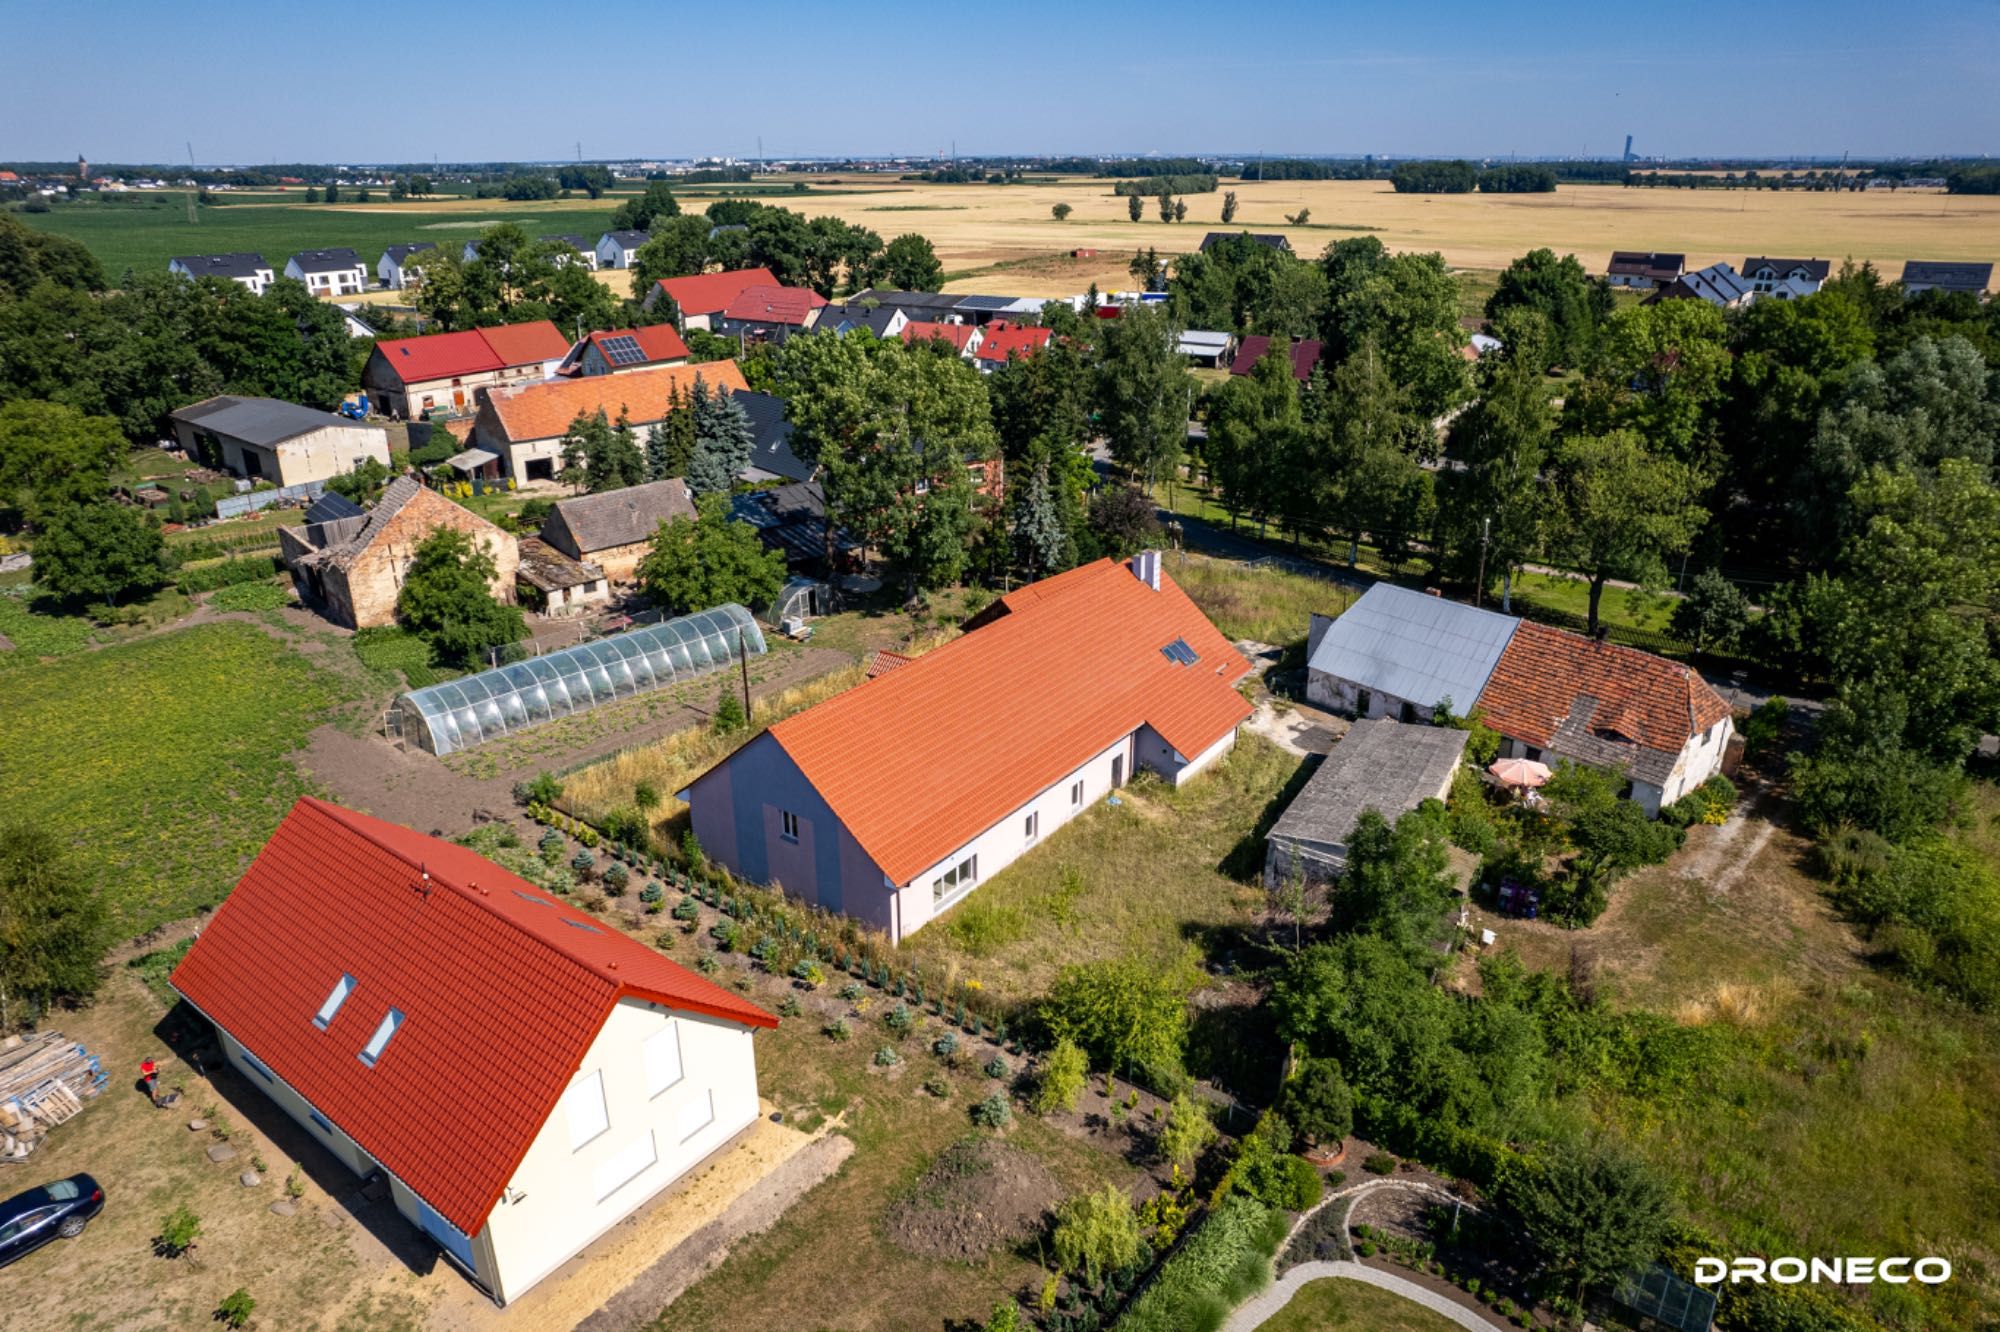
227,573
1221,1265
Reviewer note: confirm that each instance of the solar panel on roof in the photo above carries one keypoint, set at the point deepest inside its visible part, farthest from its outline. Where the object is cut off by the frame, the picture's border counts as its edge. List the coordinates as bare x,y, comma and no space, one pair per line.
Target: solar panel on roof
622,350
985,303
1179,651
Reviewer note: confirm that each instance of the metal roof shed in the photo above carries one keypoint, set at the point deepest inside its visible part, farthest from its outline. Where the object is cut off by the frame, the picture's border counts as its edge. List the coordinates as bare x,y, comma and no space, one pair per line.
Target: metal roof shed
1413,646
1381,765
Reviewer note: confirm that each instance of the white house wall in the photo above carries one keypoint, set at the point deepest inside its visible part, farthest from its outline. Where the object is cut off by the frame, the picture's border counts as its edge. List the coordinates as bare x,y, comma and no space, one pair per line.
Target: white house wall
295,1106
551,1208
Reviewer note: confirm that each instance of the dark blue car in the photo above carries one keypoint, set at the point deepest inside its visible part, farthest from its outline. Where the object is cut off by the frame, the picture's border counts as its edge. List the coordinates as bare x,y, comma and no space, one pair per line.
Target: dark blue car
62,1209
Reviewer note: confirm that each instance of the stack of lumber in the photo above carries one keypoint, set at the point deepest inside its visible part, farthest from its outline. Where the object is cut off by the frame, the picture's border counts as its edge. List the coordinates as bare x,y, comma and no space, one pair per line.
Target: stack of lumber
44,1081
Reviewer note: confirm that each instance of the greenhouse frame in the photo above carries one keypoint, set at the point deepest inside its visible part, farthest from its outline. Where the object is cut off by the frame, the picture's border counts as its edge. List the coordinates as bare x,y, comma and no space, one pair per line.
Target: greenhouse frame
459,714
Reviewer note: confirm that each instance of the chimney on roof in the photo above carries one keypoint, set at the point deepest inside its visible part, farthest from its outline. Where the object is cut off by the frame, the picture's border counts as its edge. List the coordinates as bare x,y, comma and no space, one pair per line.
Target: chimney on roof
1146,568
1432,592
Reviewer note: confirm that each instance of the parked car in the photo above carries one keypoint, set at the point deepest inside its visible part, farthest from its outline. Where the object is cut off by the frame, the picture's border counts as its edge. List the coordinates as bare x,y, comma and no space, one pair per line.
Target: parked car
62,1209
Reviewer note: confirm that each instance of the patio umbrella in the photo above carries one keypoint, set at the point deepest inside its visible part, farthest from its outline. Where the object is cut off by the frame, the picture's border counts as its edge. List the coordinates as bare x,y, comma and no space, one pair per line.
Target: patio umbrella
1519,772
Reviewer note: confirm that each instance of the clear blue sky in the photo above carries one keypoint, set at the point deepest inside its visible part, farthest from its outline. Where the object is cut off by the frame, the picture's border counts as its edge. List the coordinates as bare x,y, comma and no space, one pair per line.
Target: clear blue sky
525,79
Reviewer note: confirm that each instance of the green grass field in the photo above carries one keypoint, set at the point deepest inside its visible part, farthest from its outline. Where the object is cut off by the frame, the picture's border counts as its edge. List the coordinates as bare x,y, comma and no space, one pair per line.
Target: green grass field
146,233
1337,1305
162,763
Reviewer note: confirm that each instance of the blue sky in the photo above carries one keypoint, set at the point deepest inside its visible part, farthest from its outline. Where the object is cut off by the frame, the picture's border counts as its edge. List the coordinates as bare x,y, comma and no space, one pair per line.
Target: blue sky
526,79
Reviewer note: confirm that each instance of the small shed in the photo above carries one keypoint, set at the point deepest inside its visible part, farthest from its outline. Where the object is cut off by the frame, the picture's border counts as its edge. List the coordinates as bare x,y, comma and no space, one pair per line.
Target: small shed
1383,765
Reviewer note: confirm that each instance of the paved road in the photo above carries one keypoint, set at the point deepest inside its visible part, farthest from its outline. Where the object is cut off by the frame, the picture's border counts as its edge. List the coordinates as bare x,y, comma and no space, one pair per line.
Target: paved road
1265,1306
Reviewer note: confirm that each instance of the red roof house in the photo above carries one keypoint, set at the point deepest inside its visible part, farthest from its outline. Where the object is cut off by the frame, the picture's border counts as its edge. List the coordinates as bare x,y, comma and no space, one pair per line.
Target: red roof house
1305,355
411,376
701,297
619,350
423,1012
867,805
770,307
1004,340
963,338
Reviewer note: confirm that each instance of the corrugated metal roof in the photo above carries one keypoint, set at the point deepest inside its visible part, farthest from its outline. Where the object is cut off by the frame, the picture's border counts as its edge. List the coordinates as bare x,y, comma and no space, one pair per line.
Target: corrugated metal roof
1415,647
266,422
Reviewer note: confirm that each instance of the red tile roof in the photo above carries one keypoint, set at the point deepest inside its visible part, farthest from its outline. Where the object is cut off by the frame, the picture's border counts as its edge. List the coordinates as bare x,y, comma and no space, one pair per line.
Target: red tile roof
544,409
882,661
1060,671
476,351
1647,700
1305,355
1003,339
706,293
956,334
660,342
772,304
501,994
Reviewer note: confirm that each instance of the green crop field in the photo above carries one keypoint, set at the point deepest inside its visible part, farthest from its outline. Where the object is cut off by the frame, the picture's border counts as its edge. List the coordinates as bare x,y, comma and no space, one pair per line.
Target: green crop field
146,232
161,763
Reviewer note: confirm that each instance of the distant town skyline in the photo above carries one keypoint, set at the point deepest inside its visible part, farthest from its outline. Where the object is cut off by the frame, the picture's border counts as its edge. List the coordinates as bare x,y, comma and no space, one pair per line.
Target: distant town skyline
499,82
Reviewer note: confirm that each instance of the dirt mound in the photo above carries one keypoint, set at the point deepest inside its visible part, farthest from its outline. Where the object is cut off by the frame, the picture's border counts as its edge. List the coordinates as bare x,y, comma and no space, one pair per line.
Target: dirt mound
978,1196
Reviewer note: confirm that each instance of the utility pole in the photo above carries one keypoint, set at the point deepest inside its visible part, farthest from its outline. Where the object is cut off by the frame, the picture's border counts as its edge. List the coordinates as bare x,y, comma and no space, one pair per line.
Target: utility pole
1485,532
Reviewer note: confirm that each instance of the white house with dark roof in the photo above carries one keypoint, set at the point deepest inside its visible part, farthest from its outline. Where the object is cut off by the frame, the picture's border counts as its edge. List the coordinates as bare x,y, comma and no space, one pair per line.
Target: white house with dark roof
1643,270
246,267
390,268
617,249
1946,275
614,528
580,251
1785,279
336,272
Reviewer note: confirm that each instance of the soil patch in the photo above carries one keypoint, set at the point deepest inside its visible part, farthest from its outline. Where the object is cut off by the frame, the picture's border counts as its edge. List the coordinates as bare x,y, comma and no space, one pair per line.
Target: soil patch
978,1195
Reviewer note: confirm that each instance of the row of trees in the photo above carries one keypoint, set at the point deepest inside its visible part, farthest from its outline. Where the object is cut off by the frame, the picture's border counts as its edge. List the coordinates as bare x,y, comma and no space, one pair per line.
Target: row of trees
824,253
1461,177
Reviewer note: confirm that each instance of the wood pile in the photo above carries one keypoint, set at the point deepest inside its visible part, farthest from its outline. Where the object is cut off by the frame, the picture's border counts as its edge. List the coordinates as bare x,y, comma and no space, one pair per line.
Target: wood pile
44,1081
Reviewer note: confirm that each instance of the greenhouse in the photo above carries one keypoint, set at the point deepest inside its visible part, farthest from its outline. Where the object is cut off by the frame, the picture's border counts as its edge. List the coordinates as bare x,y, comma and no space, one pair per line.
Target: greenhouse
459,714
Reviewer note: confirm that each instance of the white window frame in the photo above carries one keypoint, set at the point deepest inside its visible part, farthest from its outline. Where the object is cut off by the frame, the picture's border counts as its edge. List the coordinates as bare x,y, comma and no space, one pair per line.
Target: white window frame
1076,794
651,1056
585,1112
343,989
955,882
1031,827
788,825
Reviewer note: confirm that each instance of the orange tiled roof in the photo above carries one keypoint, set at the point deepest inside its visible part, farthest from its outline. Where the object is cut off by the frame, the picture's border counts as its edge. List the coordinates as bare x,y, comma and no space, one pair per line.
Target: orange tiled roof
483,966
1544,673
1065,668
544,410
706,293
956,334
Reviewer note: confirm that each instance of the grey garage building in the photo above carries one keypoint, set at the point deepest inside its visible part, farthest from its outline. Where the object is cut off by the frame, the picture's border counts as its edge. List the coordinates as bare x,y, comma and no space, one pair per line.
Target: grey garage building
1383,765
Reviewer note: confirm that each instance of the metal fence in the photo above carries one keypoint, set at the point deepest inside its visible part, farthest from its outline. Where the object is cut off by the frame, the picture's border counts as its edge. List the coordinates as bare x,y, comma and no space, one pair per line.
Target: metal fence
235,506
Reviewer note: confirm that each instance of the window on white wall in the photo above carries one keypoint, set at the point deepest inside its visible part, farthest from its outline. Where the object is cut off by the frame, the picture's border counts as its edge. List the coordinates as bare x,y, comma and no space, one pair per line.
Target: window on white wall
696,1115
1076,795
631,1161
959,877
583,1107
1031,827
662,1054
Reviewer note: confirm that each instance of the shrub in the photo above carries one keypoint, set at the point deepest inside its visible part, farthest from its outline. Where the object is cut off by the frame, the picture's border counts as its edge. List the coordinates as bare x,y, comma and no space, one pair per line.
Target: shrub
1266,1169
1186,1132
850,991
993,1112
179,1229
705,964
551,847
1379,1163
582,863
250,597
1223,1263
1319,1103
1708,803
236,1308
295,1185
646,796
729,717
615,880
886,1057
652,895
627,828
1006,1315
228,573
945,1046
1764,726
899,1020
837,1030
1096,1233
809,974
996,1067
1126,1012
543,790
789,1006
1059,1079
686,909
937,1085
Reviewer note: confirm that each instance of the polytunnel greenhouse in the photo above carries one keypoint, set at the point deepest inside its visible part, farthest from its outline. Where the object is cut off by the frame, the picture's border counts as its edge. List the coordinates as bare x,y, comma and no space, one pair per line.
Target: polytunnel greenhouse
459,714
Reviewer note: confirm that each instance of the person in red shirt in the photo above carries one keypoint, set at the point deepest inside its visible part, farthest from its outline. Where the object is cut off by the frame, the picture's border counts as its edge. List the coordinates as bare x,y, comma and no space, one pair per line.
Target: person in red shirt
149,1073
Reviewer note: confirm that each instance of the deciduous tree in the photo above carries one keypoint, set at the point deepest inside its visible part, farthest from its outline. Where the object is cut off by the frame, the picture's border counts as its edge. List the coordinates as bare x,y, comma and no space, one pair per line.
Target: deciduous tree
447,600
51,926
696,563
99,552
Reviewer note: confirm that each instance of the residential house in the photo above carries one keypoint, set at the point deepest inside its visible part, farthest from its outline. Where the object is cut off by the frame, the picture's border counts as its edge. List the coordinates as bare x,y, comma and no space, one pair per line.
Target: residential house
1643,270
1552,695
699,299
884,321
771,456
523,1076
869,804
350,318
1305,354
1270,238
580,250
963,338
769,313
353,562
1718,284
613,528
622,350
1785,279
792,519
923,306
279,442
1935,275
409,377
390,269
336,272
617,249
1380,764
555,584
1210,350
246,268
1004,342
525,425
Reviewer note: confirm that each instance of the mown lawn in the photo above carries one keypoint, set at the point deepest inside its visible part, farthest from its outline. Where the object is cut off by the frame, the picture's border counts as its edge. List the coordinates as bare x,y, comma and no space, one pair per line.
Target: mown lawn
1334,1304
162,763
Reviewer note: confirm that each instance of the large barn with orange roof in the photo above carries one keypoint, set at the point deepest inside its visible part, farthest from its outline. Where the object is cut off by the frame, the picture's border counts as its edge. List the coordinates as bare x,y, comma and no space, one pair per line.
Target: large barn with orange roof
523,1075
892,801
524,425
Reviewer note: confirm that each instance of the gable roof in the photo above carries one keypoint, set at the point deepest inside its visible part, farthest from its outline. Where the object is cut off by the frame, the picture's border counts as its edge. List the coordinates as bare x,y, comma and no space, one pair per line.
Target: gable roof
1305,355
958,335
851,314
243,264
575,242
1645,264
1061,670
1379,764
478,962
1003,340
1718,284
262,421
790,518
1598,702
475,351
771,436
1270,238
1815,269
1946,273
621,517
336,260
707,293
657,342
396,254
1414,646
772,304
917,304
543,410
625,240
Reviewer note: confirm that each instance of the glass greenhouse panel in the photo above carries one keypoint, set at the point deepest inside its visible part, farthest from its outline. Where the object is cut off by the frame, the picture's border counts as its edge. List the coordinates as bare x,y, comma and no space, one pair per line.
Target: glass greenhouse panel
459,714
